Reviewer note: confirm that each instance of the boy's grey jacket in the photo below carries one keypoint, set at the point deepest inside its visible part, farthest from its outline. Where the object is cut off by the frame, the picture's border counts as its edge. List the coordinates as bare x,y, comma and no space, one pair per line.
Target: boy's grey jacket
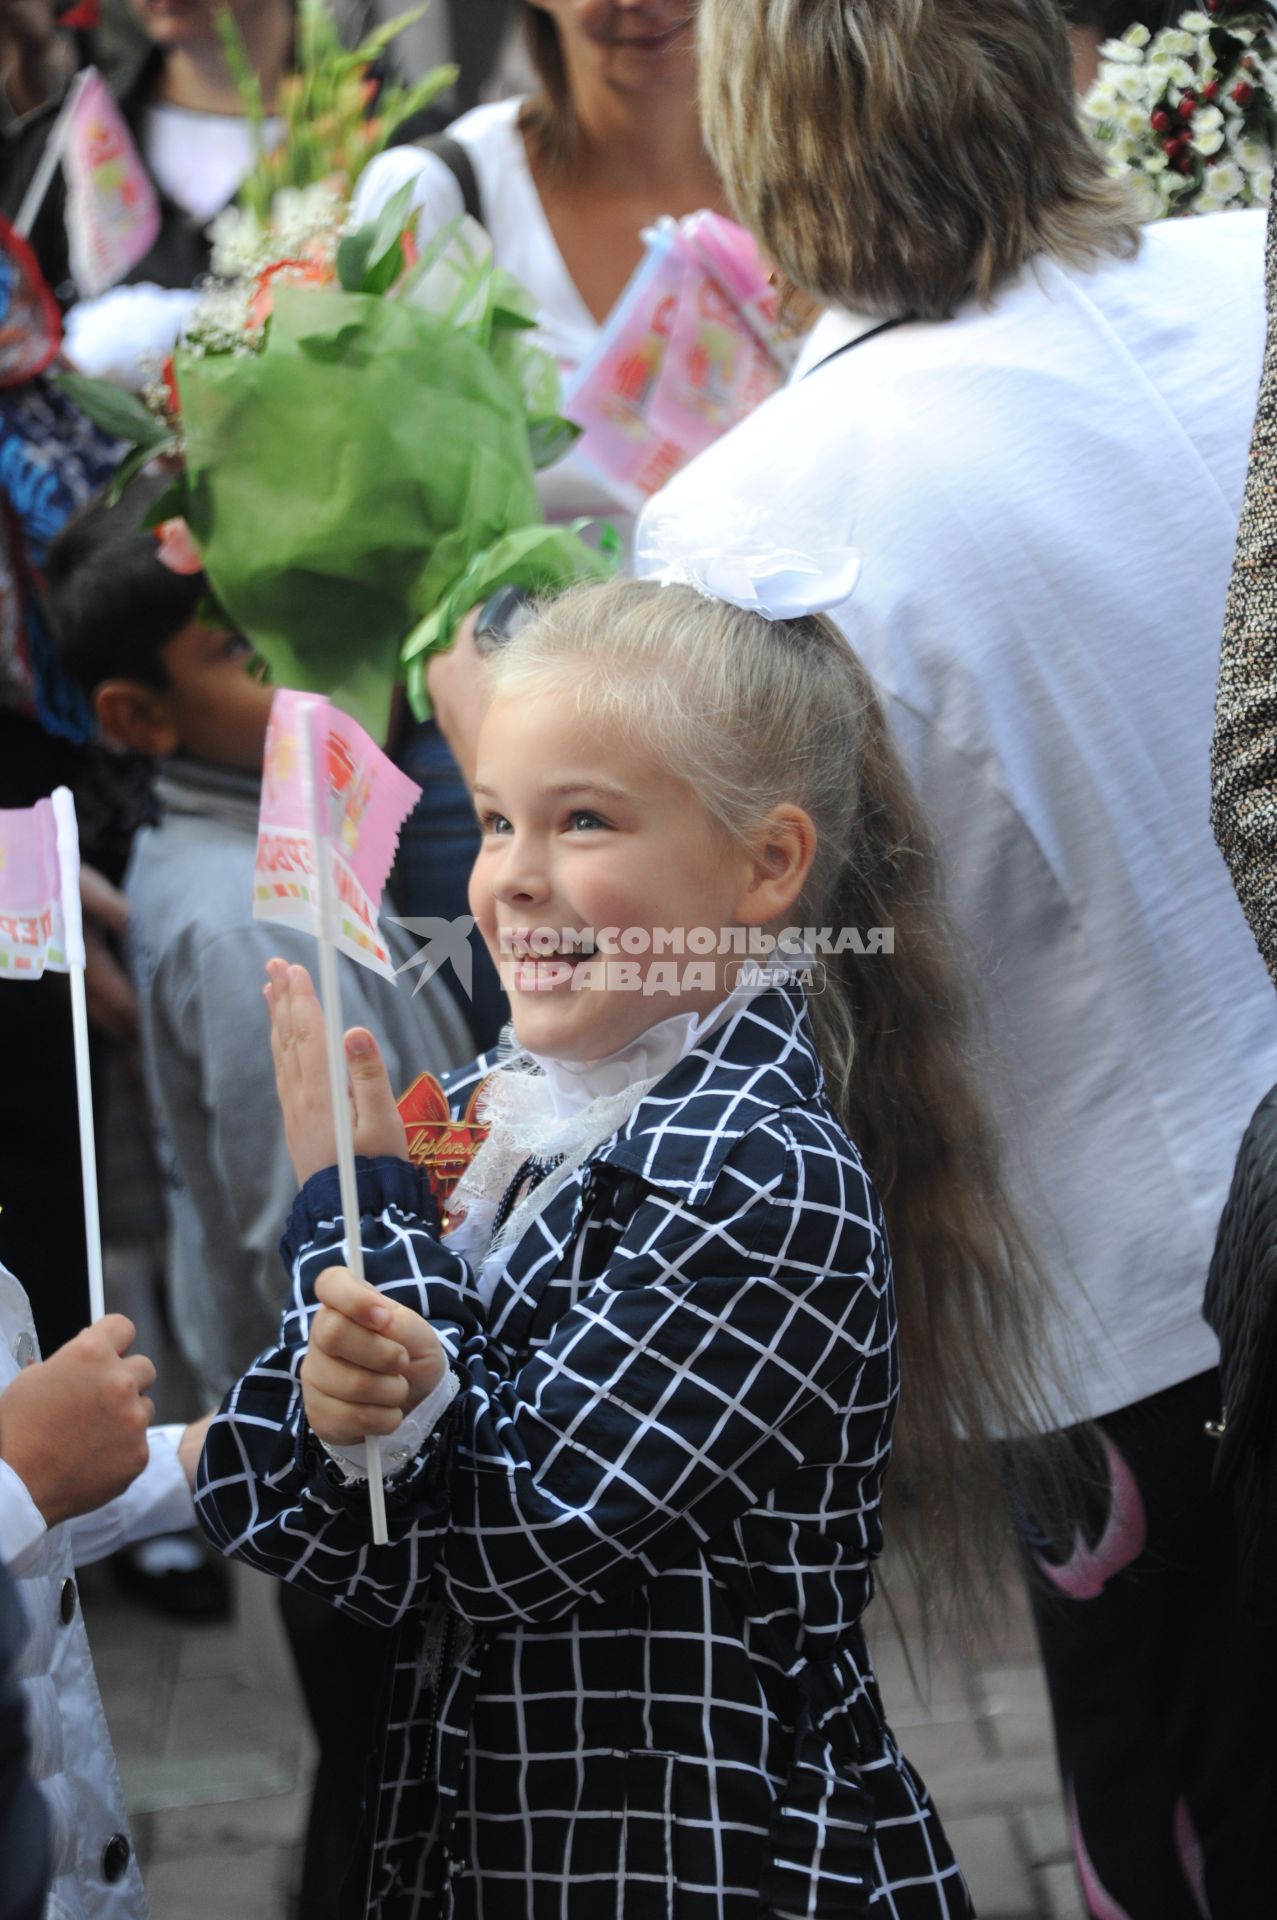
626,1572
200,960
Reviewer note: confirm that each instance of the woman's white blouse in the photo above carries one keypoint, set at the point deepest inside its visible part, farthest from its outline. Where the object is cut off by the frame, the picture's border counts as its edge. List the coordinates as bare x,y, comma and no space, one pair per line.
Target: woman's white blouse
1045,496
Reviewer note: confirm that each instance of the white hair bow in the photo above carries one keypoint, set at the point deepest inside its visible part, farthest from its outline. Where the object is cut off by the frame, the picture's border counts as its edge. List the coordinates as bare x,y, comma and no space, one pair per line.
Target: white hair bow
756,575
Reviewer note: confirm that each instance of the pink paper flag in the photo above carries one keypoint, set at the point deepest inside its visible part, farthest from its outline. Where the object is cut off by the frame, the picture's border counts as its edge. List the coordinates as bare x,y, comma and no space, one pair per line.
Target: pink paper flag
328,791
690,348
34,936
112,212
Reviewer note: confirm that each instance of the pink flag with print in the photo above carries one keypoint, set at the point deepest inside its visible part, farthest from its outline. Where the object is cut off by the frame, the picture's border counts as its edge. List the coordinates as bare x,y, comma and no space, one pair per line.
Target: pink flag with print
35,878
328,793
112,212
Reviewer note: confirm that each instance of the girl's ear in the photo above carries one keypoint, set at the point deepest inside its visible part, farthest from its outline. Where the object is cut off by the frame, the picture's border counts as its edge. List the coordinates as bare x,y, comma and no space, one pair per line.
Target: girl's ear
783,849
137,717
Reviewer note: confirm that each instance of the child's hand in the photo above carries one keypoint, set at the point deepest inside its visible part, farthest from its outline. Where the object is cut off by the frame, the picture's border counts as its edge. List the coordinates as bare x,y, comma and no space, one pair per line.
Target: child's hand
369,1361
301,1079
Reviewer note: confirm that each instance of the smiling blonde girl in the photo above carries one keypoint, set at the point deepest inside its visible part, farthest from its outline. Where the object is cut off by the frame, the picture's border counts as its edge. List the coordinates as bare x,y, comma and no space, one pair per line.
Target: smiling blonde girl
640,1402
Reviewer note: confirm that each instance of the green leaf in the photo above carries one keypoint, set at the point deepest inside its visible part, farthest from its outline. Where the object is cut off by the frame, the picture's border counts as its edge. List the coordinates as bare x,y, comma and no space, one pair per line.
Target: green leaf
549,440
512,304
371,259
381,274
390,223
397,104
352,260
376,43
247,85
131,464
171,505
118,413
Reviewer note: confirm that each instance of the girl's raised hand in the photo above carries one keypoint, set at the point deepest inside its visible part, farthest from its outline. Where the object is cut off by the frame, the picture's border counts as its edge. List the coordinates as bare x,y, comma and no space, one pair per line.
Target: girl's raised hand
301,1079
369,1361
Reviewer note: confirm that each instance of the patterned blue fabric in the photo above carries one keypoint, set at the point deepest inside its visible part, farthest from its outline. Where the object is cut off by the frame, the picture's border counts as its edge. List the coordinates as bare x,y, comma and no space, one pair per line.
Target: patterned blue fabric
626,1572
52,459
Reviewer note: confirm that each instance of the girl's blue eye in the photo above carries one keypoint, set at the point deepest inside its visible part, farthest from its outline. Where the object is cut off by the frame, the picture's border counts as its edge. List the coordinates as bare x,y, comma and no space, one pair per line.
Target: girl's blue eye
581,819
494,823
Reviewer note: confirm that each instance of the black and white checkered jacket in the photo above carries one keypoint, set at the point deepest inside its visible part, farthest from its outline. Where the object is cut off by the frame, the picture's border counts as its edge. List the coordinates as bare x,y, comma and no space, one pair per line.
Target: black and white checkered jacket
626,1572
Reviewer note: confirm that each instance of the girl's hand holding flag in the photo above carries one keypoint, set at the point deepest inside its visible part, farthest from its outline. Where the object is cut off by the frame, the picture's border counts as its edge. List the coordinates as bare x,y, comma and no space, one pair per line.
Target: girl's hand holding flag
370,1361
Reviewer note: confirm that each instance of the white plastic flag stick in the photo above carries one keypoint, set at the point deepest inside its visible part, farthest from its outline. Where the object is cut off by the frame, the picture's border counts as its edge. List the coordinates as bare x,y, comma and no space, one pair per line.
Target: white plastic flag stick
50,160
69,868
334,1031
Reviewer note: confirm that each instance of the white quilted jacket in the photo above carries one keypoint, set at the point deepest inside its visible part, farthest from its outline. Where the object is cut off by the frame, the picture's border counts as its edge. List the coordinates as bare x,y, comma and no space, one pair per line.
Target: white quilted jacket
95,1875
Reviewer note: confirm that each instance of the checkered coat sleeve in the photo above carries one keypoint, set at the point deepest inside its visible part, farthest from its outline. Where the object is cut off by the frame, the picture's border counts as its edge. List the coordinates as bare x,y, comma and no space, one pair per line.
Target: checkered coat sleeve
691,1368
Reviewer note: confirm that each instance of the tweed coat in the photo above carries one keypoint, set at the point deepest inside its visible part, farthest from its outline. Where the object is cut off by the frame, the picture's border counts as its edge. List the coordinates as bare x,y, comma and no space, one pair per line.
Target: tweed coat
1244,744
626,1572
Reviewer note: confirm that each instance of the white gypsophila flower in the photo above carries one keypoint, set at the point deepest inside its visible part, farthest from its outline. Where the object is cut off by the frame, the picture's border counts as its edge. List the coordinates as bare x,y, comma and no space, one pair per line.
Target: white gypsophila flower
1133,120
1120,52
1225,181
237,242
1207,119
1174,40
220,322
1254,155
1261,186
304,217
1155,162
1131,84
1120,153
1137,36
1181,75
1101,101
1208,143
1194,23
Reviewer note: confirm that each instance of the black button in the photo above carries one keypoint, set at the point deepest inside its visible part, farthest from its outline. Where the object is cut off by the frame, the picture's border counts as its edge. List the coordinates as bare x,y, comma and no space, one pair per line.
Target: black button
66,1603
116,1855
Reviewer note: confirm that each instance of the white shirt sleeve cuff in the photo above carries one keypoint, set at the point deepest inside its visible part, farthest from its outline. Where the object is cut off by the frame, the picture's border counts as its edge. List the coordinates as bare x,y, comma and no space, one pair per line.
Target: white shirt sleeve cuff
158,1501
400,1448
21,1521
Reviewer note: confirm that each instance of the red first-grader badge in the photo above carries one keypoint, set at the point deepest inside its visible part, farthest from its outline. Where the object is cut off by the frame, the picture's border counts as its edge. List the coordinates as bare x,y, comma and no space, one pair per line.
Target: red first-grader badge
441,1146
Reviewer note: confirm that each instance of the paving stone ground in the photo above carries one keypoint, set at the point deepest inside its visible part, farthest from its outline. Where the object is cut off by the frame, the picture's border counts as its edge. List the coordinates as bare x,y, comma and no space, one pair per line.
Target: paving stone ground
215,1755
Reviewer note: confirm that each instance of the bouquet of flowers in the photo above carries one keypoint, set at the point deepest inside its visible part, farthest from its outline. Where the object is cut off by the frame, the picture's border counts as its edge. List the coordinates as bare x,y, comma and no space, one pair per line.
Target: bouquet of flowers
336,115
356,431
1189,113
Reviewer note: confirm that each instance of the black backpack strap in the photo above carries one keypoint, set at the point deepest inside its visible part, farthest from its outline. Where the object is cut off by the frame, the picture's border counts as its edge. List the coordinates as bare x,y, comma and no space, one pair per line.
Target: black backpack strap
460,166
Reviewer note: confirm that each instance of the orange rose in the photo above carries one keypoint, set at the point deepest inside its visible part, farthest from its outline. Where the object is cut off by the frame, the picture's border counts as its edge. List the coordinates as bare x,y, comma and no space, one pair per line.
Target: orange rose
300,273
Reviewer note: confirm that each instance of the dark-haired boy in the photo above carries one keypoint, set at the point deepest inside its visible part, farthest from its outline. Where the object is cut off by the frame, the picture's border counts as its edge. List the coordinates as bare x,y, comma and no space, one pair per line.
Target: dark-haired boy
166,684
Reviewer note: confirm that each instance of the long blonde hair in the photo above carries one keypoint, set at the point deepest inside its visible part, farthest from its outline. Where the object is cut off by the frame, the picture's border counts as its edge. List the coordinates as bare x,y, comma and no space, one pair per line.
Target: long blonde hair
753,714
896,156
